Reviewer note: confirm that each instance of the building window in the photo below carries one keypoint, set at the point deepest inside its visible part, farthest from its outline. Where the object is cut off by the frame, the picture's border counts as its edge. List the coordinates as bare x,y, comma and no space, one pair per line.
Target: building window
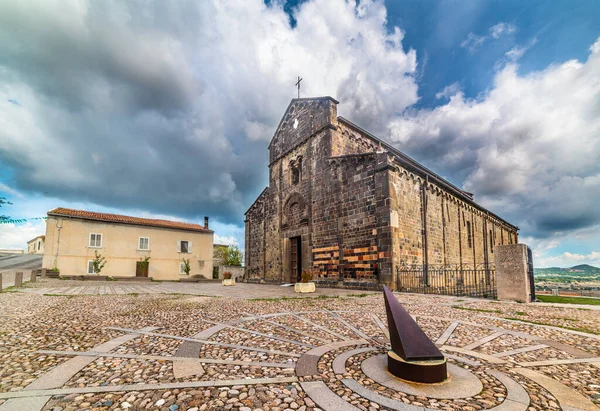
185,247
181,268
96,240
296,171
469,234
491,242
144,243
295,176
39,245
90,268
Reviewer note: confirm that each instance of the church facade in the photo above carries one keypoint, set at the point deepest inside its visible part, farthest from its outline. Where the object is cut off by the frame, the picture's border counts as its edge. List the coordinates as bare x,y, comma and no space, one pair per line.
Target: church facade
358,212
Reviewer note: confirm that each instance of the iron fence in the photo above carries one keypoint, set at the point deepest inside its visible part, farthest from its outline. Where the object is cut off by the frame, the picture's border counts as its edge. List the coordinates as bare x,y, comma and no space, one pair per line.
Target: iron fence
458,280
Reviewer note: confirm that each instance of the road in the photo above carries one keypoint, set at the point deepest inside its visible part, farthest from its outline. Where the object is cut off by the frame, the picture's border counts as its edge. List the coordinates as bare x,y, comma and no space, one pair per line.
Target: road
11,263
24,261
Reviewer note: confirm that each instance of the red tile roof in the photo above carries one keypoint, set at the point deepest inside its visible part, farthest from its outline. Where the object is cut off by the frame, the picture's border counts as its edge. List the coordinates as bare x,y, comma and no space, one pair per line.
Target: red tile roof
123,219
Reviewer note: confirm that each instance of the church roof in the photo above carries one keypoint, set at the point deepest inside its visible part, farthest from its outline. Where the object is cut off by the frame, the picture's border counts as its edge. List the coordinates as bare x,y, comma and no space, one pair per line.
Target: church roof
415,166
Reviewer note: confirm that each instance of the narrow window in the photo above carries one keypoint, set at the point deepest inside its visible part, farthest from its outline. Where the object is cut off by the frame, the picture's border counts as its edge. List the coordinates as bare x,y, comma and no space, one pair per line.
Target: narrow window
96,240
296,171
184,246
181,268
90,269
469,239
39,245
144,243
491,242
295,175
502,237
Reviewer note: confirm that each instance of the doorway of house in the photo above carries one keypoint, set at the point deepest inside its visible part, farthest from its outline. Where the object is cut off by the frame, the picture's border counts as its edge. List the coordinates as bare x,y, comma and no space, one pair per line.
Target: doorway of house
141,268
296,259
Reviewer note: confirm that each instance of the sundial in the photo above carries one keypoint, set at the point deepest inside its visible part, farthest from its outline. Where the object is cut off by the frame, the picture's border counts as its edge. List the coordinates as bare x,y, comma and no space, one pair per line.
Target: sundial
413,357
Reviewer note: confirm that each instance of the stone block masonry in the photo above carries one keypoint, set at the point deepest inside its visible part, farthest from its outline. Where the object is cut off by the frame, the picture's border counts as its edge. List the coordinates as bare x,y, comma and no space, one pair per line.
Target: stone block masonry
355,210
512,275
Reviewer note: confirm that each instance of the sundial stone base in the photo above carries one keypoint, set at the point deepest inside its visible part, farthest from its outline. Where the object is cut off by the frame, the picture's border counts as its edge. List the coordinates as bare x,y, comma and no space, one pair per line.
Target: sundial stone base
428,371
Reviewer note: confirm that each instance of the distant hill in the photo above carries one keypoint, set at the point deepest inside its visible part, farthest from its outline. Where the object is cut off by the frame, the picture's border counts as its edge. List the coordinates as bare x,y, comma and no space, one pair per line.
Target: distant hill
583,270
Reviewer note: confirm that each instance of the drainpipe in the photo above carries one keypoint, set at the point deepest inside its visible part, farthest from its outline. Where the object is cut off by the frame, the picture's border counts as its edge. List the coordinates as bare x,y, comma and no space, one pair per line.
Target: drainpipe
425,245
58,227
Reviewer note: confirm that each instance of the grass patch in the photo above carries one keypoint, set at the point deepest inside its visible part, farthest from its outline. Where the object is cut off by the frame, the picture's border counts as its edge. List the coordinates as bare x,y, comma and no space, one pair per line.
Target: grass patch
568,300
520,313
359,295
134,294
580,329
481,310
58,295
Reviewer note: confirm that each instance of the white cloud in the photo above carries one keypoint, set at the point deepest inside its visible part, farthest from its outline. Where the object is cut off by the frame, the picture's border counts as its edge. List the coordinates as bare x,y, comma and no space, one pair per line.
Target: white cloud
568,259
15,236
528,147
448,91
474,41
500,29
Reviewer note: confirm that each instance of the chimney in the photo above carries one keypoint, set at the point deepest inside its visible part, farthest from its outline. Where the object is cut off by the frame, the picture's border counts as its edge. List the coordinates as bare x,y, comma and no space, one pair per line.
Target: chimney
206,222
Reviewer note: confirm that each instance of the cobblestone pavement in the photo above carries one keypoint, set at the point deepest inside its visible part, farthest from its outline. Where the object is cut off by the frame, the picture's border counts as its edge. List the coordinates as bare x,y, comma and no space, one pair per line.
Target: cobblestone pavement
153,351
212,288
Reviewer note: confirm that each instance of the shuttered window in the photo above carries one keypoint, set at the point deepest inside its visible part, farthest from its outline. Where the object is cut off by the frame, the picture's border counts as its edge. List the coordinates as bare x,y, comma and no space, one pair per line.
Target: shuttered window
95,240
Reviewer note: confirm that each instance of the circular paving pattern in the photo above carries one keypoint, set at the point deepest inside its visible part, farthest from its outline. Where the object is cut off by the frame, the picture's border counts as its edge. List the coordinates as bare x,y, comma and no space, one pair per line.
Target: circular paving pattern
330,357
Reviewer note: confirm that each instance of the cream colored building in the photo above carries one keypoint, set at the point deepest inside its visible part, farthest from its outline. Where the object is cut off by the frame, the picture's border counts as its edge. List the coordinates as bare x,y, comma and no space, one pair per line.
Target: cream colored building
36,245
72,237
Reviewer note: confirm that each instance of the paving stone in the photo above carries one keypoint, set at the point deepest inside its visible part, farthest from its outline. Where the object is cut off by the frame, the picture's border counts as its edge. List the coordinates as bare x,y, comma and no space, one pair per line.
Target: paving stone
460,384
325,398
566,396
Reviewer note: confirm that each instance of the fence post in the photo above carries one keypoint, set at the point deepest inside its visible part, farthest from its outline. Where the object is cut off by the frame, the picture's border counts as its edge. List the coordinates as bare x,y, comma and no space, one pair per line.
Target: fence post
0,282
19,279
43,273
32,276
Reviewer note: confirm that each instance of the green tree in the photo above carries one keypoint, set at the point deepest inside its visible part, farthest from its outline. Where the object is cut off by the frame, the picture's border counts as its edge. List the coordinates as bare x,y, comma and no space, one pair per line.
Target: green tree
186,266
231,255
3,200
98,262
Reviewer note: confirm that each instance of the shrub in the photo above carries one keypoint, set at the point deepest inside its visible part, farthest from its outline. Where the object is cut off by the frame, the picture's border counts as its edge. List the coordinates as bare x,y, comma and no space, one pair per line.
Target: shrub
227,275
98,262
307,276
186,266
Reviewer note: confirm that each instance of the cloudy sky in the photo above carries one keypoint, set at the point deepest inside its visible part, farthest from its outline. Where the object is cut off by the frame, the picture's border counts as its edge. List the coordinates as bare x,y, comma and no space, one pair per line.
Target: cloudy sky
166,109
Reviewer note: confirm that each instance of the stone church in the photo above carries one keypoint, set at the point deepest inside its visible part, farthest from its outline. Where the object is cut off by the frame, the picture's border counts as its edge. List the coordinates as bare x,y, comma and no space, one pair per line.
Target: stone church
358,212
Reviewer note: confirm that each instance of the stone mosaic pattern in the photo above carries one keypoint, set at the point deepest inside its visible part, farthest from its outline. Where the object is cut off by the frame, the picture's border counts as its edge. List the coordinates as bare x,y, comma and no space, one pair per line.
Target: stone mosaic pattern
41,335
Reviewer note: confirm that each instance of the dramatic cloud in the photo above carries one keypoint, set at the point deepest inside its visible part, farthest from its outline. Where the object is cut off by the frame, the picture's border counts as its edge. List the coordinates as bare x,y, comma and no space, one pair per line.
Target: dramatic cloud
169,107
528,148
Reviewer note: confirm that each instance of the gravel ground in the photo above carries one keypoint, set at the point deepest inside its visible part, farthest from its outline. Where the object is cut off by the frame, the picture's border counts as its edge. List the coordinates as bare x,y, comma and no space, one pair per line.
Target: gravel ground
31,322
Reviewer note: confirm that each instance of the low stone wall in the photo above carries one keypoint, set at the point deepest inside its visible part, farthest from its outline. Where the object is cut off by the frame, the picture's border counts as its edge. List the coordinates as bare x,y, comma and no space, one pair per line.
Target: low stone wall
237,272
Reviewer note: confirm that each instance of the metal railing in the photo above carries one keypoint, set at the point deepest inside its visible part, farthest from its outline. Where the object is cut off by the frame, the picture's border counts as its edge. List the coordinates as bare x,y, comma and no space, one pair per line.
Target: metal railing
458,280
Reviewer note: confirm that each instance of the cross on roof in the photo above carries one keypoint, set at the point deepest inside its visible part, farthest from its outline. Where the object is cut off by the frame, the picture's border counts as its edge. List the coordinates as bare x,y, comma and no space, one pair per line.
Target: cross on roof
298,84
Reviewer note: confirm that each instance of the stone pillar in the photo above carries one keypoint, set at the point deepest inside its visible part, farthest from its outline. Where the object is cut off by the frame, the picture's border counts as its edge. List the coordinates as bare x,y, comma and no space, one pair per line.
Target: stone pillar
19,279
43,273
512,277
0,282
33,276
